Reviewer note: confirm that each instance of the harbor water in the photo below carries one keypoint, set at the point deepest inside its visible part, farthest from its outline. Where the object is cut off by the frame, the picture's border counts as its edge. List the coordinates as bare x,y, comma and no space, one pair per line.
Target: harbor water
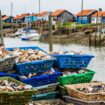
97,64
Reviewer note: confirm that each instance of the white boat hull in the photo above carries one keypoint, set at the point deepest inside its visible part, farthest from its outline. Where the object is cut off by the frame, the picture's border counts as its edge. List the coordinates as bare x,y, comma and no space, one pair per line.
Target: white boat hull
19,32
30,36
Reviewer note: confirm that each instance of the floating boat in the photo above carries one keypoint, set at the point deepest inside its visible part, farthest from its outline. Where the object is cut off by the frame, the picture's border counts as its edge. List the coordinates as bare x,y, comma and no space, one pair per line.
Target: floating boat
32,35
22,31
19,32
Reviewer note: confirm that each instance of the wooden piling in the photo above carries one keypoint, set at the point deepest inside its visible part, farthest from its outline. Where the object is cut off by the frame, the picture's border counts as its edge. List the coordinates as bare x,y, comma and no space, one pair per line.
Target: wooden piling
1,30
90,40
96,29
50,33
100,30
95,37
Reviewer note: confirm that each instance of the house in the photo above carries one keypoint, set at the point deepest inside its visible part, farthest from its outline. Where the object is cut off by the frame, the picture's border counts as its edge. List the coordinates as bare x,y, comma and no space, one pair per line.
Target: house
98,17
84,17
20,18
30,18
43,16
62,16
7,19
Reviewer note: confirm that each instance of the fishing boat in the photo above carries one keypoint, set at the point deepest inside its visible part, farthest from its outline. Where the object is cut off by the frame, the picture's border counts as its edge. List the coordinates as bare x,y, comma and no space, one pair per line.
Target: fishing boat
32,35
19,32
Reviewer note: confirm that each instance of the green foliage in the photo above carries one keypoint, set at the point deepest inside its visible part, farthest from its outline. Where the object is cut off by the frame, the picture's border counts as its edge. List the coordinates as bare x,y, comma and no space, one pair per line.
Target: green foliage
69,24
66,25
82,26
59,25
86,25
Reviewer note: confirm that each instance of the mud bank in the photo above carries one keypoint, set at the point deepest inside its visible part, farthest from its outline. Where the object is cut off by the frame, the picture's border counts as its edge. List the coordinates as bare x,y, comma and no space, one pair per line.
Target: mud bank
77,38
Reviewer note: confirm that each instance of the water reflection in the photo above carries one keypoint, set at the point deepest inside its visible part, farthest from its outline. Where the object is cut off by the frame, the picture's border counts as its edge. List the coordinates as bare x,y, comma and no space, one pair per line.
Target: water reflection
97,64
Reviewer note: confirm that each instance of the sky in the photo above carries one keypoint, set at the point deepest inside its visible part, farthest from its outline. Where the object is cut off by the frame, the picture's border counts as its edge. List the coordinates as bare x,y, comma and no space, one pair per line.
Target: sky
31,6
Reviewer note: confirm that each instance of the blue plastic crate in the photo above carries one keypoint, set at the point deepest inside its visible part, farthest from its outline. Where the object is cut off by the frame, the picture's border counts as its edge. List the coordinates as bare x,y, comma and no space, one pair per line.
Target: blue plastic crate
26,48
35,66
3,74
45,96
72,61
42,80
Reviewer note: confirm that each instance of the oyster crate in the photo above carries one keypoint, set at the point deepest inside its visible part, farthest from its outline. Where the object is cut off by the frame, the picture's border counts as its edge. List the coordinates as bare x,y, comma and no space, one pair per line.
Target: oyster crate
73,92
15,98
76,78
4,74
45,96
42,79
7,64
72,61
76,101
46,88
35,66
26,48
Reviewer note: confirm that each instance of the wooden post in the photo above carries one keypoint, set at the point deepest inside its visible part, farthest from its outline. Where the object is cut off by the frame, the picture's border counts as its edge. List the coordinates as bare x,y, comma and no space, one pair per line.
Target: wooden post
82,11
90,40
96,29
50,33
1,30
101,29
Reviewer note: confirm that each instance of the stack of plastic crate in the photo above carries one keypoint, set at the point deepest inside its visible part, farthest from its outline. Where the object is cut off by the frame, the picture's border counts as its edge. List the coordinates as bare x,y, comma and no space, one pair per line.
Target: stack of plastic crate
73,63
44,83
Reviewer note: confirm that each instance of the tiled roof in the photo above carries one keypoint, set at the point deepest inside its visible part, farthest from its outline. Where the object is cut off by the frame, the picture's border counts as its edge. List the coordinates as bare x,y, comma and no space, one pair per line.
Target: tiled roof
103,13
5,17
42,14
33,14
21,16
99,14
57,12
85,12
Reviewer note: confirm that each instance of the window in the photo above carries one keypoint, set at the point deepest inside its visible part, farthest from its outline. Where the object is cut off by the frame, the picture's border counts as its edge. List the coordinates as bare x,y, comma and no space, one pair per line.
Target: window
84,18
80,17
93,18
54,19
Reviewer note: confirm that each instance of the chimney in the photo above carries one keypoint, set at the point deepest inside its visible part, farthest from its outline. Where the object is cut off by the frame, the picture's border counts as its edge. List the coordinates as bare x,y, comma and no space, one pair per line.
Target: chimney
100,9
